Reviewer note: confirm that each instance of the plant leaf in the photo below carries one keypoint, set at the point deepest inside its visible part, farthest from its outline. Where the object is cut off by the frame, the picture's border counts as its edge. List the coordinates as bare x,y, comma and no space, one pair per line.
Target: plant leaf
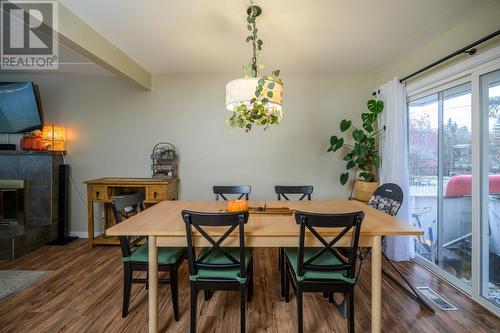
368,127
345,125
367,176
358,135
339,144
343,178
375,106
333,140
350,165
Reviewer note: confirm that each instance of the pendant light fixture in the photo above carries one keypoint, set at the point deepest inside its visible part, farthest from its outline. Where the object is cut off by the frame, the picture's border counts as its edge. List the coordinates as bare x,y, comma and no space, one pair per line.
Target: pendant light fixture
255,99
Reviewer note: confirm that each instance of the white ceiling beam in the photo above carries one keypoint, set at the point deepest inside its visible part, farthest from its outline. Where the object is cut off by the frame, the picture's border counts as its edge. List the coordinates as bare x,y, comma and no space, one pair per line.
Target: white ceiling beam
79,36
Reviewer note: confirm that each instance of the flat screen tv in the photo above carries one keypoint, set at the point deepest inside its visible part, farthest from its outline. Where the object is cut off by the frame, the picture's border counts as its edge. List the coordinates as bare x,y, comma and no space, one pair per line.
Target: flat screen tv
20,107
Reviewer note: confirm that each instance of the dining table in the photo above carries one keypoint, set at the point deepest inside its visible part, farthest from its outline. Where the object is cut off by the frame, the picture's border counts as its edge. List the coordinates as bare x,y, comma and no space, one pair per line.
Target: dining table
271,224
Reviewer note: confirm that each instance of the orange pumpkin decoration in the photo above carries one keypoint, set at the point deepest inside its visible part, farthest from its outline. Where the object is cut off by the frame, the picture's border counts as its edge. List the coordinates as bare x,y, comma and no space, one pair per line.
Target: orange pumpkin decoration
237,206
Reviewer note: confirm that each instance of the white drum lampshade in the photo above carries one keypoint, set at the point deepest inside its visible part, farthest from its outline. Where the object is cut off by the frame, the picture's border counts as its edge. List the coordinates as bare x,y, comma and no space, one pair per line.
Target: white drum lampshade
243,90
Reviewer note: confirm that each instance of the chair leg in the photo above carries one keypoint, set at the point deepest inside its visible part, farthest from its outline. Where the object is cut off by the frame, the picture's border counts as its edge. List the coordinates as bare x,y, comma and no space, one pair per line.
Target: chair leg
242,308
287,285
193,312
127,288
300,314
281,254
350,311
174,287
250,282
207,294
280,258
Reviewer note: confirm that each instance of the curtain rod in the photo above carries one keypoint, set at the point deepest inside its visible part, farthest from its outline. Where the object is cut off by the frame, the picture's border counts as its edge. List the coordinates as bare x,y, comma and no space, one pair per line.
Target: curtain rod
469,49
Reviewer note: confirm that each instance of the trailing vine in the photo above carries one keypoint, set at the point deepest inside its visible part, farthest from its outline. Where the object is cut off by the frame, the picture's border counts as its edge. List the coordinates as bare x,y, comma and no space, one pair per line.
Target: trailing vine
259,112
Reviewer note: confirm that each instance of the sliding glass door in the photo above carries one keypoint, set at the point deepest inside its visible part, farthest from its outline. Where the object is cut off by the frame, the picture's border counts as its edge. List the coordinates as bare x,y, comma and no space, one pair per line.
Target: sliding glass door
489,86
441,177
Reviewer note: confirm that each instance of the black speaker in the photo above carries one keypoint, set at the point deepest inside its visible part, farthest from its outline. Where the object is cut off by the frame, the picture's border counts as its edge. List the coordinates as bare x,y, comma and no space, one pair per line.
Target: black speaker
7,146
63,208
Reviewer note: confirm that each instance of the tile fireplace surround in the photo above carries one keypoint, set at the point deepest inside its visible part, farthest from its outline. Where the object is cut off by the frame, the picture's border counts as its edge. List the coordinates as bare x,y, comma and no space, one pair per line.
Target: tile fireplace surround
37,225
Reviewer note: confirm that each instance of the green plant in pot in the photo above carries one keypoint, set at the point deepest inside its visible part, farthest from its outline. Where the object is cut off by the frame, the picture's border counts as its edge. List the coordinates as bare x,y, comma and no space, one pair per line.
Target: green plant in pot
362,157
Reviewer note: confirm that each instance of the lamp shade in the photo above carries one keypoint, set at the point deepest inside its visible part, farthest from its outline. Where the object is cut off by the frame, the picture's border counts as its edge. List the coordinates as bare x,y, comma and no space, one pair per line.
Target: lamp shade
243,90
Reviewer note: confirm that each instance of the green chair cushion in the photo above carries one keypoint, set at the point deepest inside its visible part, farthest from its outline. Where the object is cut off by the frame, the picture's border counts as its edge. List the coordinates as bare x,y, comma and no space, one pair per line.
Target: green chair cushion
166,255
325,259
218,257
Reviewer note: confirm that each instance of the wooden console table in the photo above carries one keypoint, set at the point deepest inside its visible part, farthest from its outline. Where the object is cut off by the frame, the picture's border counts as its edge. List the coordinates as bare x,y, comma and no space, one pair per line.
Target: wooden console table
104,190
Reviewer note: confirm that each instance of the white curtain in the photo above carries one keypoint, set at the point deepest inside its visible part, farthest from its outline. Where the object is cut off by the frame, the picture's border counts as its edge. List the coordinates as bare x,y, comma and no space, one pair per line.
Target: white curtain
394,159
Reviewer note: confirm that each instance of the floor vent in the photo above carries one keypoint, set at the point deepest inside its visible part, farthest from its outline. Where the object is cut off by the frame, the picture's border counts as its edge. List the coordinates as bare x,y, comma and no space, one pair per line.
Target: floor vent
436,299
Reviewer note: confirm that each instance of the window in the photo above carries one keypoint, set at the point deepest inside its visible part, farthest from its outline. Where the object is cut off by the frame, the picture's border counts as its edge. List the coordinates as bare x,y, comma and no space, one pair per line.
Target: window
454,167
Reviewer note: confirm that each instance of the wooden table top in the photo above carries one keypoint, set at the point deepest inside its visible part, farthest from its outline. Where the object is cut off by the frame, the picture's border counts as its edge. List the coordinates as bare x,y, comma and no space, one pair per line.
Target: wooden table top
164,219
128,181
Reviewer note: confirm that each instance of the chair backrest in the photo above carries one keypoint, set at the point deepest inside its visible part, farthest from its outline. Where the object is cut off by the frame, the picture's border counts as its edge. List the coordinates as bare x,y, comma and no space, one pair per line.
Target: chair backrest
387,198
124,207
230,221
305,190
223,191
348,222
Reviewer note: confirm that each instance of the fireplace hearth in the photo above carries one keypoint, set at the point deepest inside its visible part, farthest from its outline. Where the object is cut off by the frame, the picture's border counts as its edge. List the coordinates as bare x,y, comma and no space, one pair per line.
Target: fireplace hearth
29,192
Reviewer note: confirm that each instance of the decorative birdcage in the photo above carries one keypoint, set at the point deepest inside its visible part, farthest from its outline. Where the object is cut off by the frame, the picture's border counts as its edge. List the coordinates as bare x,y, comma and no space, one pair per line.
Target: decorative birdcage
163,161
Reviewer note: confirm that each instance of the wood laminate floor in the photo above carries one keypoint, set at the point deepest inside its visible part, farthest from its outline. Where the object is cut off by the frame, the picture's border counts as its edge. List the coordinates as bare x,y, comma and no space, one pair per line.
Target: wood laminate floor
84,294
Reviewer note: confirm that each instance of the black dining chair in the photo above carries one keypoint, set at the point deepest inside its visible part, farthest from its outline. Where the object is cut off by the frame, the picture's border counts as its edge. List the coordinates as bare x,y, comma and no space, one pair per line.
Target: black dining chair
304,191
283,192
242,191
217,267
388,198
135,253
224,192
323,269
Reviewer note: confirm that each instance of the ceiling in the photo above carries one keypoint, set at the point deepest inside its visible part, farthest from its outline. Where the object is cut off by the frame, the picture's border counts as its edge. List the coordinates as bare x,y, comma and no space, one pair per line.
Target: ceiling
300,37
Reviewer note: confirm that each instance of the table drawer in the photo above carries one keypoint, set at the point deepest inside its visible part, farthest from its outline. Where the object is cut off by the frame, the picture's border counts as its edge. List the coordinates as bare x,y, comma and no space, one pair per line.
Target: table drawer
99,193
156,193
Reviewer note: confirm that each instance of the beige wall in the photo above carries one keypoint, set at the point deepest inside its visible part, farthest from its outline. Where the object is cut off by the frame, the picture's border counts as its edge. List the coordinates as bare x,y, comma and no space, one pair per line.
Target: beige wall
113,127
483,23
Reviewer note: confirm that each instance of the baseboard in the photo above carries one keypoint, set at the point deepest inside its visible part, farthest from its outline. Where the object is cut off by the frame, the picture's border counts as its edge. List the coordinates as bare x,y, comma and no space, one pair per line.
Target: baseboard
82,234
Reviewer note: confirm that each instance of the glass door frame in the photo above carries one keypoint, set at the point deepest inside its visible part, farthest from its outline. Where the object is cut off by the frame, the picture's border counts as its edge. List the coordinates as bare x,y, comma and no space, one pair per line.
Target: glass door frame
436,268
469,70
480,273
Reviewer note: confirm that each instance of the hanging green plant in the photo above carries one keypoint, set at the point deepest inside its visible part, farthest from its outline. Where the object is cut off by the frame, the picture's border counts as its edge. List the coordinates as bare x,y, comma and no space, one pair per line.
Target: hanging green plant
262,106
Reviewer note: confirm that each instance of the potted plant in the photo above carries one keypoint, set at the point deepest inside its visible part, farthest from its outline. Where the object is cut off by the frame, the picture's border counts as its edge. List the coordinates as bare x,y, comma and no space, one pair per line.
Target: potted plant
362,156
